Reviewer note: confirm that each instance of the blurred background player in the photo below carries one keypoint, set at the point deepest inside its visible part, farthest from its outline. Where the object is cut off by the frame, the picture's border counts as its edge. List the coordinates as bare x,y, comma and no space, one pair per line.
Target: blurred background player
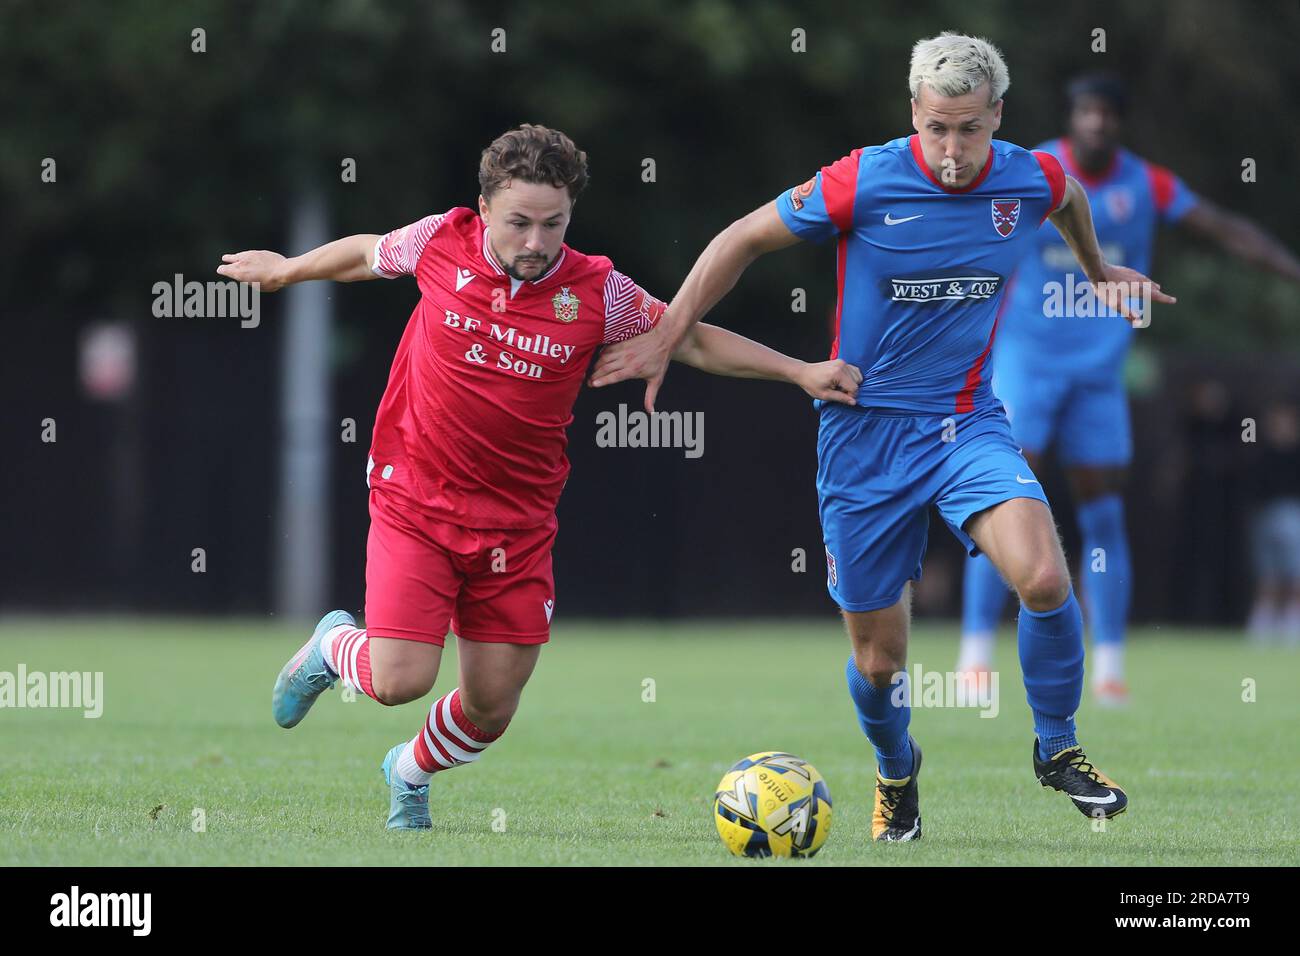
468,457
1060,377
928,228
1274,485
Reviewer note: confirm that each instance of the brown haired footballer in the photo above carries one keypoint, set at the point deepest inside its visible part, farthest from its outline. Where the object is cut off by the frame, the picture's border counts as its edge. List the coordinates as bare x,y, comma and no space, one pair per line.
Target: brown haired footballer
468,456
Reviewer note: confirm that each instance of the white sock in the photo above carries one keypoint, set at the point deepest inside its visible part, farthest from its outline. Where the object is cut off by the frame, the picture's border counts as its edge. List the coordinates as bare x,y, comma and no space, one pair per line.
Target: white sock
409,770
976,650
327,644
1107,662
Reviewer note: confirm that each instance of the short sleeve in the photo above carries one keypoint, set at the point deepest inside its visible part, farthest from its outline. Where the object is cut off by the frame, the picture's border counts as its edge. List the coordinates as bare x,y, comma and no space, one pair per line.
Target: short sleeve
823,206
629,309
1051,167
397,252
1172,198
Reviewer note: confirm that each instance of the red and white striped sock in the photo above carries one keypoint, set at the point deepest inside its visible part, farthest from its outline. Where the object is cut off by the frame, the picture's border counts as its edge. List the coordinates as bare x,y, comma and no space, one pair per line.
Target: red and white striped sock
448,739
347,651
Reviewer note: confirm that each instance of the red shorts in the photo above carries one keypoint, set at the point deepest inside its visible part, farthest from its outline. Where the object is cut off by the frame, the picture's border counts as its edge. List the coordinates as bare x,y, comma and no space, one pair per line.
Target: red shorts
423,574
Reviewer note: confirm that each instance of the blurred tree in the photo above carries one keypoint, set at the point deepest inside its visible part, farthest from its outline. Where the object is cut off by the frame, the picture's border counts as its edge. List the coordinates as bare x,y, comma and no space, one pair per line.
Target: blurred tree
166,156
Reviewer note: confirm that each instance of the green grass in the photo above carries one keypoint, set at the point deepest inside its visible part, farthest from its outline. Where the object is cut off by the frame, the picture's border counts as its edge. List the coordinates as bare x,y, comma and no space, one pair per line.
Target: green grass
591,774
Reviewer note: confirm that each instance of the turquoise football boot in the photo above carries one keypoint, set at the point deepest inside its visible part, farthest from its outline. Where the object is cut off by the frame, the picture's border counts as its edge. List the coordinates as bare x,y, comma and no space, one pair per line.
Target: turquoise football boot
408,806
306,676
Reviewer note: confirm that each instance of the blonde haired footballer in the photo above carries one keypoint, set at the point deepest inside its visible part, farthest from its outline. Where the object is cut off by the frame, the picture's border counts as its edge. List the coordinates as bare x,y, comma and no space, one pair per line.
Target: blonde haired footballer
927,229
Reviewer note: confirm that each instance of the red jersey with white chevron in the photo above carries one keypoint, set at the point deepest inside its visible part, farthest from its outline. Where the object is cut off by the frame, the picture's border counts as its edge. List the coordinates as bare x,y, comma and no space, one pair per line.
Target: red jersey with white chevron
471,428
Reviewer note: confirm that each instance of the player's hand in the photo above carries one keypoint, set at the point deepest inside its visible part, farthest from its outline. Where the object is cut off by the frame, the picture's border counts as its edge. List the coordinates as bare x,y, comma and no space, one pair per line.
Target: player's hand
260,266
1121,289
645,357
833,381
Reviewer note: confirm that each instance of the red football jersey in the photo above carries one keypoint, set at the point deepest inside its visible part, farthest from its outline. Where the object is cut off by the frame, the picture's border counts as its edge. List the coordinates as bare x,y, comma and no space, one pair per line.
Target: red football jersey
471,428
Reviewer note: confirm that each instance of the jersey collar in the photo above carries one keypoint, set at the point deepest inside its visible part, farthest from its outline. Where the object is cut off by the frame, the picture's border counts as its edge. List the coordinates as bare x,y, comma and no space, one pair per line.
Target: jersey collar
1092,180
914,141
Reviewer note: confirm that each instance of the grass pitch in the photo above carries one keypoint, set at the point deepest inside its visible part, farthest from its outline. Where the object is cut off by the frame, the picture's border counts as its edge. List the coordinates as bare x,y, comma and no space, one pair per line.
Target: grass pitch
590,773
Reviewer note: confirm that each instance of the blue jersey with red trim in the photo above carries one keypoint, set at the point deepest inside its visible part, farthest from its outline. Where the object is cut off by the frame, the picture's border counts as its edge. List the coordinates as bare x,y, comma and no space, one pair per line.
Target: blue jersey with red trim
1052,323
922,268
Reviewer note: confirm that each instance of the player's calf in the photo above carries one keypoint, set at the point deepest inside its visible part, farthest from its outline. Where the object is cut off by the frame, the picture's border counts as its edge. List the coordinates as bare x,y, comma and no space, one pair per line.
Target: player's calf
492,718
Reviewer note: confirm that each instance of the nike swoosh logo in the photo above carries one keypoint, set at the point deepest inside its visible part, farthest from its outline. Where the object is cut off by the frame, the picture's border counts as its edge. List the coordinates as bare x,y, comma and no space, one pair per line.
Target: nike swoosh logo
1109,798
891,221
1026,481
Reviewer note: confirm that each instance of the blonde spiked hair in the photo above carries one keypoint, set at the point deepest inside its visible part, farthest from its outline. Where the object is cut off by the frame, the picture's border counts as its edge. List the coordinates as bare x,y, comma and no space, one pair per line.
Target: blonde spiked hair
952,64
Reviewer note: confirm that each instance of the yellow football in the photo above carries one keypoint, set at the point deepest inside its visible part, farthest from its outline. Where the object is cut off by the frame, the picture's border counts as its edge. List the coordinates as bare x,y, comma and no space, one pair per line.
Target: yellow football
772,804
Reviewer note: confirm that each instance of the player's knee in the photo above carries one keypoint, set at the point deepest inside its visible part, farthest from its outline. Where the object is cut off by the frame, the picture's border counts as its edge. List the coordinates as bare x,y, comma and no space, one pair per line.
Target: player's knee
392,688
1045,587
878,668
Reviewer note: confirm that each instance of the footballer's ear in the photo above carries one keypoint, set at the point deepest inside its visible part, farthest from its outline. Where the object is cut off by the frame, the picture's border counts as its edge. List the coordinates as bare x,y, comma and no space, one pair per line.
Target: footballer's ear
997,116
482,206
915,125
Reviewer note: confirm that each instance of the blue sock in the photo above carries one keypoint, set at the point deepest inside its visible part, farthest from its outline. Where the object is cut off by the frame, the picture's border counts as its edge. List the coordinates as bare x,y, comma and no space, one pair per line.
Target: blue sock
1051,657
984,595
884,723
1102,524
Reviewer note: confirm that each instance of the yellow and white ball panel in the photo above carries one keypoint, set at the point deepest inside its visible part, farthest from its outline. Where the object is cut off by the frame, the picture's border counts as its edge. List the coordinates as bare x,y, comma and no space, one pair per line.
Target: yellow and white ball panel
772,803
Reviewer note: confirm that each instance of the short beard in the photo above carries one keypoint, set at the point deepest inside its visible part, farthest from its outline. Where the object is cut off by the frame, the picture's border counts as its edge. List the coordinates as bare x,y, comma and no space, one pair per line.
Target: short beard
1095,160
512,272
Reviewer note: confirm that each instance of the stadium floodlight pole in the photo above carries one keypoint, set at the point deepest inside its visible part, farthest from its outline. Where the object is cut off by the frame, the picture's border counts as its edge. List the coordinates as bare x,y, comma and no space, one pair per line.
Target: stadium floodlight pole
303,515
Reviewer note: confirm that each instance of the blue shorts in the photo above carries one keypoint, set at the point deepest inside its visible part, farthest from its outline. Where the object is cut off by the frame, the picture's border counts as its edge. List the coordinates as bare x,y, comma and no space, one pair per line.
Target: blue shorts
1087,420
878,473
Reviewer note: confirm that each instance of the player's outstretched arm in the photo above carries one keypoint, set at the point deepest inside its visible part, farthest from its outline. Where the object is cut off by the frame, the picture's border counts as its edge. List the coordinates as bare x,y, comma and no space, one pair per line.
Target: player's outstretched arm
1113,285
1240,237
343,260
714,274
721,352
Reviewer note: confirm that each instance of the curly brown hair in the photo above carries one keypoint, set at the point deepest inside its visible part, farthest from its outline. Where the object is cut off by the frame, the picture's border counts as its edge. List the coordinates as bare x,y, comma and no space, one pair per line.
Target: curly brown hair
533,154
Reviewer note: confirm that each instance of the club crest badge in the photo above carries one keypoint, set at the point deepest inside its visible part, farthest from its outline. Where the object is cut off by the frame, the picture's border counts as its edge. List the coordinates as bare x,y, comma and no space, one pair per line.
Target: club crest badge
1006,213
566,305
1119,203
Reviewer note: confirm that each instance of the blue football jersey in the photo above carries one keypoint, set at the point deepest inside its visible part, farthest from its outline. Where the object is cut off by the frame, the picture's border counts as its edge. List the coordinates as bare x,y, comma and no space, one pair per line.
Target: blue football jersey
1041,330
922,268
